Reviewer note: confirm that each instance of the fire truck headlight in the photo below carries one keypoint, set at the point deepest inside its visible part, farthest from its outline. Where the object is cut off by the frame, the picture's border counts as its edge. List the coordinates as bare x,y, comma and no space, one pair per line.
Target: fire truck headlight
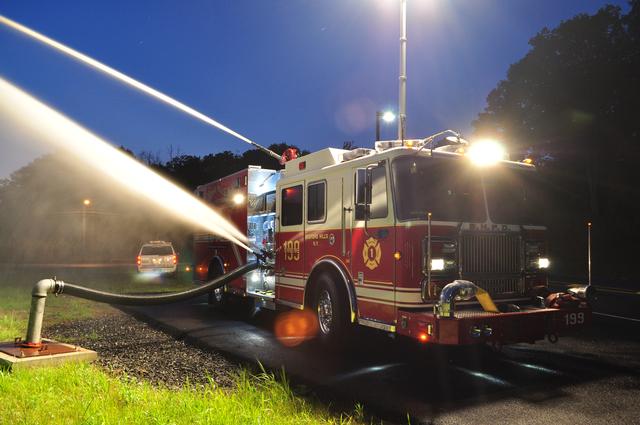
486,152
543,263
437,264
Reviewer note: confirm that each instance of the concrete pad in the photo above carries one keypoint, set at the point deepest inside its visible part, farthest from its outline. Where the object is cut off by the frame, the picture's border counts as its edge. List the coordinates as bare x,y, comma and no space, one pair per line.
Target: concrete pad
75,354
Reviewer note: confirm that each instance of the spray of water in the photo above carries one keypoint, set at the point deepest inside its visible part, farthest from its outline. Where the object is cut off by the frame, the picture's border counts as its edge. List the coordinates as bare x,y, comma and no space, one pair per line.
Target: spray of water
46,124
129,81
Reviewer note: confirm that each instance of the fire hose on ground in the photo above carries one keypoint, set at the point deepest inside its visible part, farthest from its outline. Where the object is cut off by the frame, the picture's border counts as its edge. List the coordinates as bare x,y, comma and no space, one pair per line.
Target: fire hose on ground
57,287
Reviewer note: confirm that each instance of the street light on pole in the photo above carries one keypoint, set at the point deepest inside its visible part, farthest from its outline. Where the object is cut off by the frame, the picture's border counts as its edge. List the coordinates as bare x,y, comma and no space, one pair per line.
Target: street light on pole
85,204
387,117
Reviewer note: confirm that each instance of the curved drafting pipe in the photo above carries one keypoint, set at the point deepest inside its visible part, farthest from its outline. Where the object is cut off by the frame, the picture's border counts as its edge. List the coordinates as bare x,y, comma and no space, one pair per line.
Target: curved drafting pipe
462,290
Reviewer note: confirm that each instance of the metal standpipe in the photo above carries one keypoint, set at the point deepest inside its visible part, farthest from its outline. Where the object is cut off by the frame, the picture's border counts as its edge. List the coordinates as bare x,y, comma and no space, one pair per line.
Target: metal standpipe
38,300
51,286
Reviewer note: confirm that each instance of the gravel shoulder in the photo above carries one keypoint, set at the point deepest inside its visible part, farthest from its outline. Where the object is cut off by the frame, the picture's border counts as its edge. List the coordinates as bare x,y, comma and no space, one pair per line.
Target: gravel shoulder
133,348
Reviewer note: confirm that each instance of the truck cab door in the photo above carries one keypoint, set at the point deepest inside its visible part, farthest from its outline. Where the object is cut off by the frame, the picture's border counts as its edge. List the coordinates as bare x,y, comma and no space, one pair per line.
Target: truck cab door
373,243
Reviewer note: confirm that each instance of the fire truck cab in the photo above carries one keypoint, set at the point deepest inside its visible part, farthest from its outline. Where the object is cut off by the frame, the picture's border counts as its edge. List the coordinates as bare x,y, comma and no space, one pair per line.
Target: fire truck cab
406,239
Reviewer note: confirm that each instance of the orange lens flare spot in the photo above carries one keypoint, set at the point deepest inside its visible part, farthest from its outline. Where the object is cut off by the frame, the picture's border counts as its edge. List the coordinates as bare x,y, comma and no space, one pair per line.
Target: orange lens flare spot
423,337
397,255
295,327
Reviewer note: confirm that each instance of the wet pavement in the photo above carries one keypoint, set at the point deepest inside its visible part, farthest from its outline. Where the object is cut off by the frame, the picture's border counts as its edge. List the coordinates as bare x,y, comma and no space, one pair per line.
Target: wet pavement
591,377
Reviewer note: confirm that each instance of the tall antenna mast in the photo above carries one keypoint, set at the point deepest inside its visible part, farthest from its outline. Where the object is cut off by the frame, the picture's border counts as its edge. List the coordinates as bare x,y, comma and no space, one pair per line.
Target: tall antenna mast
589,250
402,98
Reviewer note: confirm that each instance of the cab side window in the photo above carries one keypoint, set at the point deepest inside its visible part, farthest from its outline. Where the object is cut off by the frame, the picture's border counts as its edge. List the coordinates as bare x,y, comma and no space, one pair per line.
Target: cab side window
316,202
291,206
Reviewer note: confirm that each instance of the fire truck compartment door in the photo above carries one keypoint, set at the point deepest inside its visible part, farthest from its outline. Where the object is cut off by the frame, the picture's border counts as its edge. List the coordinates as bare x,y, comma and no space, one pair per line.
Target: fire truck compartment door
290,212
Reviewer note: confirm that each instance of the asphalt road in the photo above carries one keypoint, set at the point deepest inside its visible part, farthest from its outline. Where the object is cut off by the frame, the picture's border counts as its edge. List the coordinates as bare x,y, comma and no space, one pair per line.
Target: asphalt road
592,377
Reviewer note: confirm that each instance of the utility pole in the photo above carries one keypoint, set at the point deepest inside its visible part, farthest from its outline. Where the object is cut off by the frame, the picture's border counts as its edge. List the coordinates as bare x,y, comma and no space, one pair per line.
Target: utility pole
402,98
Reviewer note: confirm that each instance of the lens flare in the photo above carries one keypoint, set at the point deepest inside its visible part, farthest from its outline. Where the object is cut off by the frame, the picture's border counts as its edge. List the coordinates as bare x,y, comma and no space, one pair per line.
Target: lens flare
57,130
129,81
295,327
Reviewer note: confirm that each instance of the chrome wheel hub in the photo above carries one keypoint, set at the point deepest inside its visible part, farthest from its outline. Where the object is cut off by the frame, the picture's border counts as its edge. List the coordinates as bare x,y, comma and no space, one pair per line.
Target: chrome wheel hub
325,312
217,294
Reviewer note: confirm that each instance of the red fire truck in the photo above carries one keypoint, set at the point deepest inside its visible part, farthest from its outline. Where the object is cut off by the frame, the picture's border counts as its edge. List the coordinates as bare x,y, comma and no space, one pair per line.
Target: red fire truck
411,238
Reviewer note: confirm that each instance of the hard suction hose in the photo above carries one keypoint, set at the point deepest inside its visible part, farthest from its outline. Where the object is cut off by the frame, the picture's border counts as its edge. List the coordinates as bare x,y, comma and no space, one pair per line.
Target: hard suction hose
51,286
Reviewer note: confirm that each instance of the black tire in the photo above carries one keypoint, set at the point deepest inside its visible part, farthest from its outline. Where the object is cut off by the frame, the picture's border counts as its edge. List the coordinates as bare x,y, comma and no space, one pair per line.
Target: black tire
218,297
331,307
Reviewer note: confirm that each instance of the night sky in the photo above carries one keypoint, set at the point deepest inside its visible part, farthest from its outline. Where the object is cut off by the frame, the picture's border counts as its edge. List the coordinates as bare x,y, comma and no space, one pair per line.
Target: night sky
309,73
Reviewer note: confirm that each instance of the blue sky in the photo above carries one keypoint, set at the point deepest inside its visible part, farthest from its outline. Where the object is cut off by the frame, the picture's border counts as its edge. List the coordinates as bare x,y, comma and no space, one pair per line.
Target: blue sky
305,72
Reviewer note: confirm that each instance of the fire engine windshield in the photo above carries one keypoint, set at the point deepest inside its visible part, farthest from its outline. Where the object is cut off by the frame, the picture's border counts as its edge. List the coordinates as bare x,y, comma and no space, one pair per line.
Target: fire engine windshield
514,196
449,189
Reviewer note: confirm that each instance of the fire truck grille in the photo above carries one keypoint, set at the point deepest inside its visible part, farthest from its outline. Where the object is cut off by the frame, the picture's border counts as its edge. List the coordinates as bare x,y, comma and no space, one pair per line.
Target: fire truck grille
504,286
492,261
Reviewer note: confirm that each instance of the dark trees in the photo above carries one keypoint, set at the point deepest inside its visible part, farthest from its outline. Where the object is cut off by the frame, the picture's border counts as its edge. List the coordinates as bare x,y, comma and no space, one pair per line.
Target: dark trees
191,171
574,100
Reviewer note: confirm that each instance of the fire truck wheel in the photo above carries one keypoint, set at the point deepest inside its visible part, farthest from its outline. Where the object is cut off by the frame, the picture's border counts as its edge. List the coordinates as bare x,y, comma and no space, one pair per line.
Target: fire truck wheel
216,297
331,310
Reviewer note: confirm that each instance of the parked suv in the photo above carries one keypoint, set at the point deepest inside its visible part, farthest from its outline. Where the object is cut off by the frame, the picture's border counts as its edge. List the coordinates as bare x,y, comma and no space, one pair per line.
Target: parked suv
157,256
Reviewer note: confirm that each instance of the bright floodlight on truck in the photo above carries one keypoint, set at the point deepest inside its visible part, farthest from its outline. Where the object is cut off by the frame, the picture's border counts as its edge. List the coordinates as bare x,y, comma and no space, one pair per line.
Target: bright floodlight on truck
486,152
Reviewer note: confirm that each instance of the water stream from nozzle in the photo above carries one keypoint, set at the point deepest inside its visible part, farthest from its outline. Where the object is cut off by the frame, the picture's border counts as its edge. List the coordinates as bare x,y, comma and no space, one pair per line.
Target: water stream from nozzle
33,117
130,82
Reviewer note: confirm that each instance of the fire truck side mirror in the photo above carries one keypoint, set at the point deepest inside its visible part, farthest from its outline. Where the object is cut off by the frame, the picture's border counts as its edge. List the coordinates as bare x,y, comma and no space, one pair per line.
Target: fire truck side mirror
364,185
363,207
362,211
368,186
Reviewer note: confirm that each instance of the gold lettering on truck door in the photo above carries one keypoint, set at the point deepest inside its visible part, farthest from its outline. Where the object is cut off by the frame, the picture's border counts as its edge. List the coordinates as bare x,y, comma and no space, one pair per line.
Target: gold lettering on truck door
292,250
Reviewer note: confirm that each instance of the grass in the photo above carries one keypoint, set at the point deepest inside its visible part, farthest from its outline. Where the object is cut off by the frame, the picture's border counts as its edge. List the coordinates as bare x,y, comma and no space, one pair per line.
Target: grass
83,394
